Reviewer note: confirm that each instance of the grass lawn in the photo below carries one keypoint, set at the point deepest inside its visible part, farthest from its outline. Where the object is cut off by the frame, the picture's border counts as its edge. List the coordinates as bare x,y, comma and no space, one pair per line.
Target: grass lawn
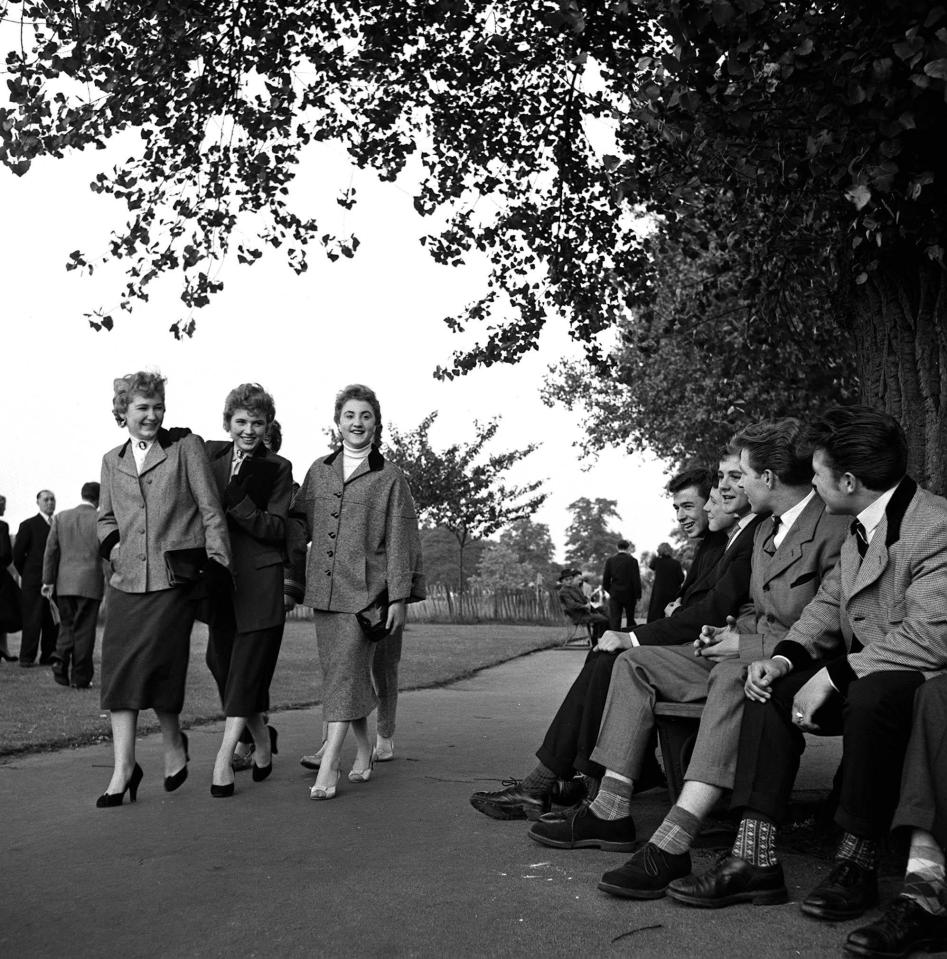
36,713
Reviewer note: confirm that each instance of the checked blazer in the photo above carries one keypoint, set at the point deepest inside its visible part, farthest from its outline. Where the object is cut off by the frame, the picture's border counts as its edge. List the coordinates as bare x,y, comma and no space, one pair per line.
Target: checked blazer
887,611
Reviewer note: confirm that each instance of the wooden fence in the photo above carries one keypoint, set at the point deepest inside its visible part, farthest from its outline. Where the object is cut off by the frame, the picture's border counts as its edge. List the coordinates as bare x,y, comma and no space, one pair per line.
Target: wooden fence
534,605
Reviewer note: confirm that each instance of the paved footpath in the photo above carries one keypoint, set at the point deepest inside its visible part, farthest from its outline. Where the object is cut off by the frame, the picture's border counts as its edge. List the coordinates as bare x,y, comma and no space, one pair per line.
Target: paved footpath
400,866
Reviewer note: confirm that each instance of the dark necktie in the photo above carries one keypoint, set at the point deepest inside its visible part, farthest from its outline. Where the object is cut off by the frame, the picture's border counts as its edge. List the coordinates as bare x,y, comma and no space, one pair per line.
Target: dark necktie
770,546
861,538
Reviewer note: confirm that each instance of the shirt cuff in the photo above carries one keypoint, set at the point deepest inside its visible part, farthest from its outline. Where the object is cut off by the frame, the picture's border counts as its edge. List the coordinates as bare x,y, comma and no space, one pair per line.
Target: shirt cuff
796,653
841,674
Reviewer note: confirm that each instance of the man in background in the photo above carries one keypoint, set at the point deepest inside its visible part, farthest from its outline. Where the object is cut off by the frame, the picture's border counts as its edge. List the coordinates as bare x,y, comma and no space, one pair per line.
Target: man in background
39,630
73,571
621,579
6,557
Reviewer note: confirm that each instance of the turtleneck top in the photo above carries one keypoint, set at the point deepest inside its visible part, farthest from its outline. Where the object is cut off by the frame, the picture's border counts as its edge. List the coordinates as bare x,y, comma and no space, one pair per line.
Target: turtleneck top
353,458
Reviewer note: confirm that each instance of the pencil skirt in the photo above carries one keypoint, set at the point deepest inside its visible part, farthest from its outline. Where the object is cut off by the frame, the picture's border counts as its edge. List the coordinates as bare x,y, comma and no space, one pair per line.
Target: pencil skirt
346,660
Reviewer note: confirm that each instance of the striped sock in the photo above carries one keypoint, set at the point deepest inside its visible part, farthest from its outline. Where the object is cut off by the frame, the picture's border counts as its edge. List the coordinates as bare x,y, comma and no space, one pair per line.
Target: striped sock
540,780
756,842
924,882
862,852
614,798
676,834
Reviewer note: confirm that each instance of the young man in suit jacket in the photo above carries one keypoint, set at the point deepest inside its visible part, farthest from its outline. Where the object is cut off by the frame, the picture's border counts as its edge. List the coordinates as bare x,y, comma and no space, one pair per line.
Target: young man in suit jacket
39,630
716,585
793,551
851,664
621,579
72,570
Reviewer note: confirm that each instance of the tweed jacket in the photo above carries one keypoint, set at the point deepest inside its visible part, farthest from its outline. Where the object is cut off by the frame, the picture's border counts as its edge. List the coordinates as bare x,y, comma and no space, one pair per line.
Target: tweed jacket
172,505
28,548
364,535
71,561
887,611
783,583
257,507
727,589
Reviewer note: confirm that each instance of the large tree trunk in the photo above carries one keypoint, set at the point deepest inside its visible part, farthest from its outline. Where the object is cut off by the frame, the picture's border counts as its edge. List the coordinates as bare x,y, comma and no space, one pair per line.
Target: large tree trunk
900,321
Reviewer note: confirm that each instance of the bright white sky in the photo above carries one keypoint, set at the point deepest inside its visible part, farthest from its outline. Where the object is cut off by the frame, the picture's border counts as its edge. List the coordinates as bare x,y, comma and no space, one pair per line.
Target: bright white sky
374,319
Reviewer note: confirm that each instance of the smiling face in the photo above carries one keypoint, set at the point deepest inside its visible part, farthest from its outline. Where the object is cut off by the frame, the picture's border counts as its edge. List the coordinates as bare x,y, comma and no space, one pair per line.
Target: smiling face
732,497
46,502
834,489
717,517
756,486
357,424
246,429
145,414
689,509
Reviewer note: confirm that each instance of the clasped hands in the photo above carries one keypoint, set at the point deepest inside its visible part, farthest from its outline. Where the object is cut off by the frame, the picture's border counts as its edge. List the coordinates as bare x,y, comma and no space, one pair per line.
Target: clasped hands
808,699
718,642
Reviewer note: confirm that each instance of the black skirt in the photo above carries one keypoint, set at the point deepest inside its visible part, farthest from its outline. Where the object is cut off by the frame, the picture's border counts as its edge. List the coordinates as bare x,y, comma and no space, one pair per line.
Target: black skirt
242,665
145,649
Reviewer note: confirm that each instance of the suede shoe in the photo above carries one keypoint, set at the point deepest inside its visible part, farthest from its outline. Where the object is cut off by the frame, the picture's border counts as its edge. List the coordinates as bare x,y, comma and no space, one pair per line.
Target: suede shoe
513,802
904,928
581,830
845,893
647,874
732,880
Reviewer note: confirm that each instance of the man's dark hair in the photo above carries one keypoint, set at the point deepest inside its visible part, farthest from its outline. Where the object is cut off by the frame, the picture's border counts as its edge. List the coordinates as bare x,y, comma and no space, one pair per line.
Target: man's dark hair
90,491
623,544
867,443
777,445
700,477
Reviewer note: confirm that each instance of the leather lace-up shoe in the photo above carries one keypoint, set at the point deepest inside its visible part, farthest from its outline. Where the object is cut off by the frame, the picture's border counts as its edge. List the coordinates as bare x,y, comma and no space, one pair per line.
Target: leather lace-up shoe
904,928
581,830
846,892
568,792
513,802
647,874
732,880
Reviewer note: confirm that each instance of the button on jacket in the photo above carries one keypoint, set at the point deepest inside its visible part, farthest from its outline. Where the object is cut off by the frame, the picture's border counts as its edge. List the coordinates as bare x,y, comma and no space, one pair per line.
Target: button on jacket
172,505
364,536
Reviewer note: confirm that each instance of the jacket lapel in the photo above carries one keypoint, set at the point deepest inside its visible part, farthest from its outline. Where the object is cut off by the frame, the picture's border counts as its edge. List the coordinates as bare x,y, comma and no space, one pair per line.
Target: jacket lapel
790,549
888,532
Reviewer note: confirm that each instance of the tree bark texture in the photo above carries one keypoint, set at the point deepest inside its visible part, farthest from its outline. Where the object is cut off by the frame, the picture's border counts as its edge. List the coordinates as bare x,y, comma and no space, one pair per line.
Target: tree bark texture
900,321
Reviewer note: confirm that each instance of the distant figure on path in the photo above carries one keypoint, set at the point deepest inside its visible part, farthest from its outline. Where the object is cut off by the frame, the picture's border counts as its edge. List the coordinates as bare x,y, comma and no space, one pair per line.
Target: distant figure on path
668,576
39,630
72,570
9,592
621,579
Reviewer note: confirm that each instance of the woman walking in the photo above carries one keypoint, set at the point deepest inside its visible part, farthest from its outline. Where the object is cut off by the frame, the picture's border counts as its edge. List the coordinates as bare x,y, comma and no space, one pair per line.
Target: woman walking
160,523
246,615
356,509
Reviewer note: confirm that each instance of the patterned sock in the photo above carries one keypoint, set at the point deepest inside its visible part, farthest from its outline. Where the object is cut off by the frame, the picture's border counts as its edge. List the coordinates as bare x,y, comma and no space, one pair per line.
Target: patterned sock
756,842
540,780
676,834
924,882
591,786
614,798
862,852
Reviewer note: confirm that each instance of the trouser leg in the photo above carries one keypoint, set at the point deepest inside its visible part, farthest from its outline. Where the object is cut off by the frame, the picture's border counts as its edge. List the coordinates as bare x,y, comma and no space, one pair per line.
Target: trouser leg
50,633
571,735
923,802
31,605
640,678
66,641
385,662
615,607
84,626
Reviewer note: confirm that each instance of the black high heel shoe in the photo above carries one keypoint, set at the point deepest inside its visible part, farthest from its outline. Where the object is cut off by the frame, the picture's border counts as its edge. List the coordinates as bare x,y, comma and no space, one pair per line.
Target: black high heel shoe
107,800
173,782
222,792
261,772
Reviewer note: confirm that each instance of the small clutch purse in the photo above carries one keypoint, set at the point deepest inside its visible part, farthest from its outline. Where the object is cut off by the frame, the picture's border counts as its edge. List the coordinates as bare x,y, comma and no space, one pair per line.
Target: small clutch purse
374,619
185,566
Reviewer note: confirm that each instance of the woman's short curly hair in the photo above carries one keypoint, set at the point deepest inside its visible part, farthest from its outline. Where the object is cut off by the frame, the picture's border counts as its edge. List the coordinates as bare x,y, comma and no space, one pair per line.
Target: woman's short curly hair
252,397
142,383
358,391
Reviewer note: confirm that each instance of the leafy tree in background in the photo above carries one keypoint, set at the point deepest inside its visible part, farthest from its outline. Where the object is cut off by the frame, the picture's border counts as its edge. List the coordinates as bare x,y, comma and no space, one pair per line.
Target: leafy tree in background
442,557
461,488
589,538
501,568
532,546
798,144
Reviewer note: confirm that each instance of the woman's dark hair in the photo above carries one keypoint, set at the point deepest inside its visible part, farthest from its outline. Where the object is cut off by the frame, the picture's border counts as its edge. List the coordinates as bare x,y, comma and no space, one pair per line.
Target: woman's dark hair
273,437
700,478
141,383
867,443
777,445
358,391
251,397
